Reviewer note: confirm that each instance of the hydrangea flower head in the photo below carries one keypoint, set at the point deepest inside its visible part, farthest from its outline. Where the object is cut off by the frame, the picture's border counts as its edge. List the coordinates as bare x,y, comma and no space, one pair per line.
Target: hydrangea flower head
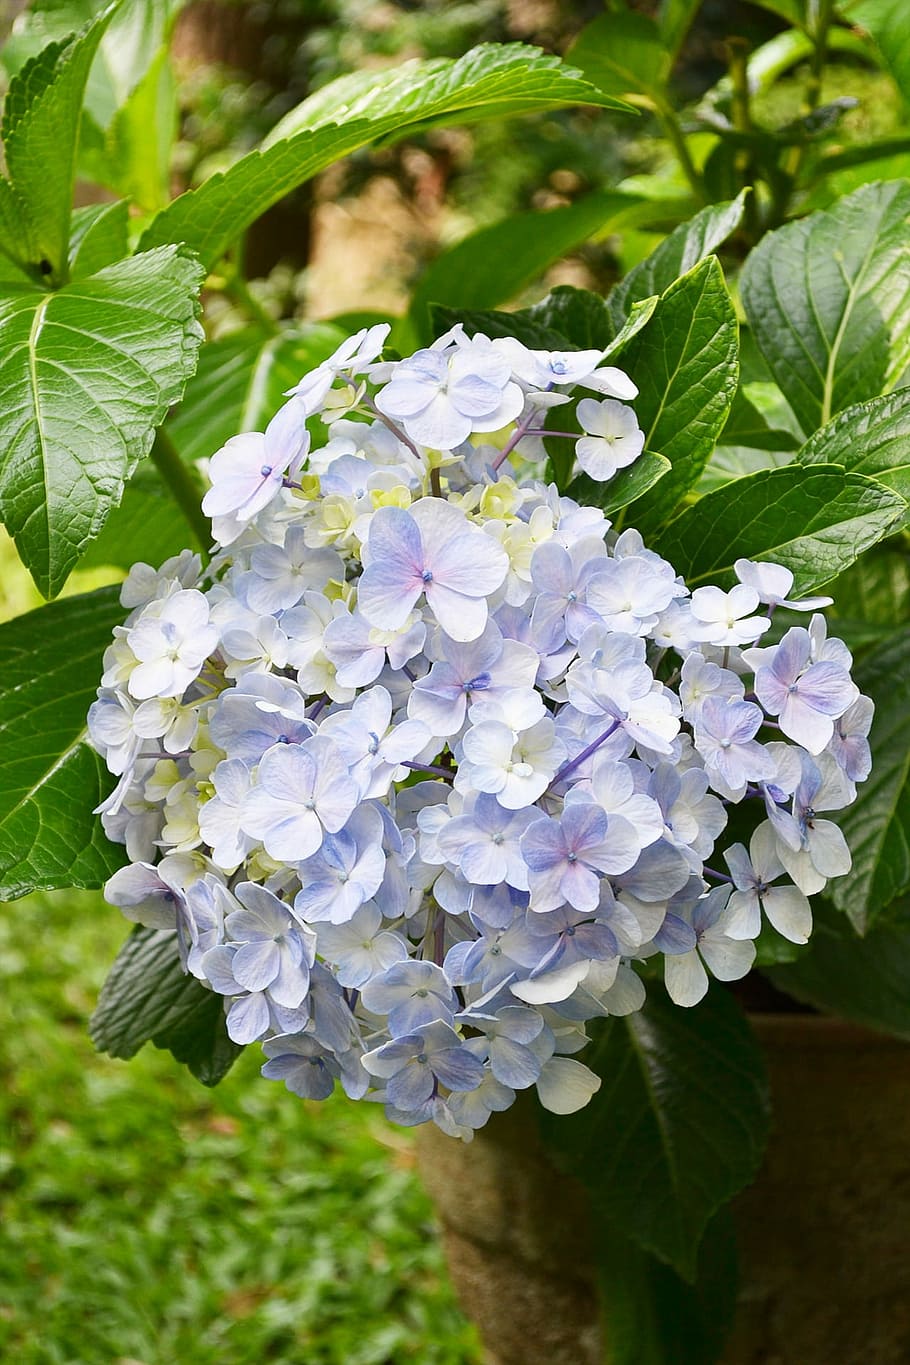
431,766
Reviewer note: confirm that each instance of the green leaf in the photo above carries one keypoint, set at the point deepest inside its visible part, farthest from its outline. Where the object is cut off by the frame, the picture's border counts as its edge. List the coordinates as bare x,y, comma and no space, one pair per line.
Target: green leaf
147,526
868,438
99,237
137,29
746,426
490,81
678,1126
886,20
862,979
871,596
674,20
623,54
687,245
577,314
50,780
877,825
685,363
493,264
567,319
828,299
147,997
736,462
88,373
816,521
627,485
240,383
519,324
40,132
654,1317
140,140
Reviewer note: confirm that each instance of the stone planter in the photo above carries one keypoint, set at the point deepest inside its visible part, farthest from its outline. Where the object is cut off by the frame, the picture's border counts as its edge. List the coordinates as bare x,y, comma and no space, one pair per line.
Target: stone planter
824,1233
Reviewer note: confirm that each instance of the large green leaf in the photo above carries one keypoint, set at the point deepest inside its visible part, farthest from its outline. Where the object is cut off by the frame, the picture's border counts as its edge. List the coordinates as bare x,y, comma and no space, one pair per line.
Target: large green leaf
50,780
87,374
655,1317
240,383
869,438
863,979
877,825
148,998
687,245
40,131
815,521
678,1126
828,299
490,81
624,55
685,363
493,264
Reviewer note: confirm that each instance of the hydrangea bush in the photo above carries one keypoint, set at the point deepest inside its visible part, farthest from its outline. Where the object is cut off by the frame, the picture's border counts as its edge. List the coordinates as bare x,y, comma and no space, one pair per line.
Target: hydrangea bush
432,765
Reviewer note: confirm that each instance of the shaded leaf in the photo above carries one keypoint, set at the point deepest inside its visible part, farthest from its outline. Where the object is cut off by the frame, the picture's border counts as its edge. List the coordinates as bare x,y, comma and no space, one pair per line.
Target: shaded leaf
816,521
147,526
147,997
871,596
490,81
746,426
240,382
877,825
828,299
654,1316
50,780
735,462
863,979
678,1126
623,54
493,264
88,373
492,323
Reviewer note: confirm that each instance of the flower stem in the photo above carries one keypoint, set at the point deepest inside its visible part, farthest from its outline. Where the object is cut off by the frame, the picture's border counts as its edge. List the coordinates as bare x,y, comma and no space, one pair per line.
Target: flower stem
184,489
576,762
436,769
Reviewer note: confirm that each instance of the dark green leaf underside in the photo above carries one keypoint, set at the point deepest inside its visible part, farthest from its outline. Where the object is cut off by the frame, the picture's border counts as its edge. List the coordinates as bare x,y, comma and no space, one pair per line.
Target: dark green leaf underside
50,780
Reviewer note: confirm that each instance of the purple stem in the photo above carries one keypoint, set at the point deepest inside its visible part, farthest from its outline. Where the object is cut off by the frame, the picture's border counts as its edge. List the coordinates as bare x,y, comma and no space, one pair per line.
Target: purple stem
721,876
573,763
435,768
521,430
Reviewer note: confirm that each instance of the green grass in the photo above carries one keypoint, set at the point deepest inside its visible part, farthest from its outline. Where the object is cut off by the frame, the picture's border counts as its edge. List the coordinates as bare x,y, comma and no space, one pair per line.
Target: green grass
147,1219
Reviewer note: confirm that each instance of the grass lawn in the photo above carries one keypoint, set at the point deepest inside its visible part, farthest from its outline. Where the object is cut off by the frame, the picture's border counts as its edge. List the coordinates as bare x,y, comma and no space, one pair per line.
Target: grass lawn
145,1220
148,1220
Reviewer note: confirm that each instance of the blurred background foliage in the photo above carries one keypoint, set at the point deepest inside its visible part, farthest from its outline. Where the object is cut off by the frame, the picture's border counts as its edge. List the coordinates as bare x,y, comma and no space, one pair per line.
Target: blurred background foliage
144,1218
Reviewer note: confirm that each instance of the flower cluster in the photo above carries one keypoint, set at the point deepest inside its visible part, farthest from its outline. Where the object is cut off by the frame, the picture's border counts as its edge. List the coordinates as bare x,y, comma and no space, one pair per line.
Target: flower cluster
429,767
